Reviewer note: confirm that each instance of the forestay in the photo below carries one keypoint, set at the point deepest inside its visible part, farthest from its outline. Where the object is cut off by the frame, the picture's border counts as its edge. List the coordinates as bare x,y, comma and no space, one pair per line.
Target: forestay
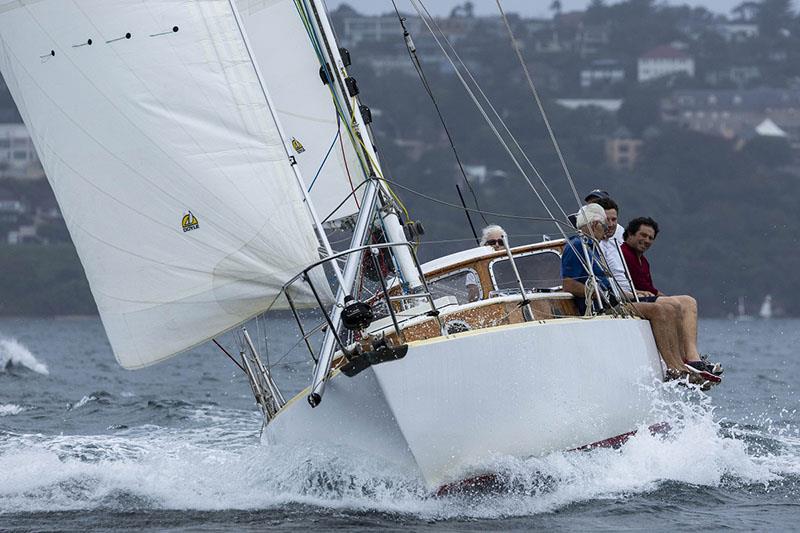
287,60
157,139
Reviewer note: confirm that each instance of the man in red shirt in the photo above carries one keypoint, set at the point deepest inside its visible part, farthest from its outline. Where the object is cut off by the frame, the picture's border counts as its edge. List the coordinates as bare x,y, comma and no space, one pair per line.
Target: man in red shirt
639,236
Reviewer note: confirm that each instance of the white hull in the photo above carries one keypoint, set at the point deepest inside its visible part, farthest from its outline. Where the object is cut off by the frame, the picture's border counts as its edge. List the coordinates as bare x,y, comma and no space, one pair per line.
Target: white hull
522,390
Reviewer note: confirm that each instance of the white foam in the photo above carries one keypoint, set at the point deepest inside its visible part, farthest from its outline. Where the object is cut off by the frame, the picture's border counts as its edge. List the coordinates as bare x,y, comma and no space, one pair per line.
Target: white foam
9,409
12,352
83,401
221,466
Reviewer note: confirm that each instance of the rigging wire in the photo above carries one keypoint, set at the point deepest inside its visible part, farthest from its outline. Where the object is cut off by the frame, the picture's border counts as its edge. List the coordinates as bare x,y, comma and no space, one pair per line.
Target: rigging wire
327,154
518,50
558,222
428,20
495,112
412,53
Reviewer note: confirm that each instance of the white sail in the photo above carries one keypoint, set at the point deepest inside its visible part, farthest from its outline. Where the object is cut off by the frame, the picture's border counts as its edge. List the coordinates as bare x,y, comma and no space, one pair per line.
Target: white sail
172,177
290,67
766,307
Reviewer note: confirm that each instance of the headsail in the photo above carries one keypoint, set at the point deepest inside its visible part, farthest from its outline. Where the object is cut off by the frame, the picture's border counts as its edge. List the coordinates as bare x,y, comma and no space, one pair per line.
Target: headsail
157,139
290,67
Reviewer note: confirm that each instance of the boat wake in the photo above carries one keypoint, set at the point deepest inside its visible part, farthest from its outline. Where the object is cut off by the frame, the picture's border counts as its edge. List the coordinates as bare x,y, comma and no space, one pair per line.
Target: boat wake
221,466
15,354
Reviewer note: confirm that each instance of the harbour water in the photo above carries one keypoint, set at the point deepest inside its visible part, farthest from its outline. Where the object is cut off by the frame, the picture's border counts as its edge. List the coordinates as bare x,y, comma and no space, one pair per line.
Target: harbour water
86,445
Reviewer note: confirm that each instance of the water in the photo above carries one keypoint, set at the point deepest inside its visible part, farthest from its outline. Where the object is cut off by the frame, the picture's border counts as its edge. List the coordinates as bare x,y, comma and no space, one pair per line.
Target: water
85,445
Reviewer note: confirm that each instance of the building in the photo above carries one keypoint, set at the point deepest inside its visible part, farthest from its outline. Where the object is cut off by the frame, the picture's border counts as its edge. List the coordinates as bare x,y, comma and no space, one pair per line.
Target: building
18,157
739,75
356,29
11,207
611,105
602,72
665,60
732,113
737,31
623,150
23,235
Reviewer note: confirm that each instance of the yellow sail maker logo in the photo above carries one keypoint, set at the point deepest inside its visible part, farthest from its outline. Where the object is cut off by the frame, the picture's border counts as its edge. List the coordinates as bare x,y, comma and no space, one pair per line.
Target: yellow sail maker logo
297,146
189,222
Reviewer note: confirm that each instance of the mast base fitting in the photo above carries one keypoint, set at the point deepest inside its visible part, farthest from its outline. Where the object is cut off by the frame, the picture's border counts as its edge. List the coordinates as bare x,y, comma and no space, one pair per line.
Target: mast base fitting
314,399
413,230
383,354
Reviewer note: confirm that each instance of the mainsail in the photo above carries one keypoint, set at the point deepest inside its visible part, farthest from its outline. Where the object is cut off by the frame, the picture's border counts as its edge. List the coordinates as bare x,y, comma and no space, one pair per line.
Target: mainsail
291,69
172,177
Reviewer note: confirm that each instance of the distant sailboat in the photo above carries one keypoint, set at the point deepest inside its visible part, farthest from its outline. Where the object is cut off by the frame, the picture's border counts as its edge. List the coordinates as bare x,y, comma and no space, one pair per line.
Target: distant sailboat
766,308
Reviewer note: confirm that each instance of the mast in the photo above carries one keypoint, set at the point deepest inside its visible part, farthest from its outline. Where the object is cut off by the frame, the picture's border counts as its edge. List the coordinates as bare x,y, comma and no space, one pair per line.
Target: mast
374,189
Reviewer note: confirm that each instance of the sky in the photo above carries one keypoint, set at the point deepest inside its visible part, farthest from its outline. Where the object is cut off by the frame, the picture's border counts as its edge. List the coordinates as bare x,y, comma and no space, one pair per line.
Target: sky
529,8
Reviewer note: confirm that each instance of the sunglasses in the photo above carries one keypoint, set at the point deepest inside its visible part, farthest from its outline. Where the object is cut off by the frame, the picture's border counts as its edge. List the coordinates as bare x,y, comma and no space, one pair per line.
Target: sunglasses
494,242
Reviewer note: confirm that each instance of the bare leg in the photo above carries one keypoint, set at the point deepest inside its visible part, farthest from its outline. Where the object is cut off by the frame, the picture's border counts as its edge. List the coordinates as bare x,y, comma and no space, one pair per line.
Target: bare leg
663,321
688,322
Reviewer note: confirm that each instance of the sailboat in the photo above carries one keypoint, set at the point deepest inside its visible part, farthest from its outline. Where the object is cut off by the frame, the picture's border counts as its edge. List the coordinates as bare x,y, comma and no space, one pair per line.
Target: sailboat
201,152
766,308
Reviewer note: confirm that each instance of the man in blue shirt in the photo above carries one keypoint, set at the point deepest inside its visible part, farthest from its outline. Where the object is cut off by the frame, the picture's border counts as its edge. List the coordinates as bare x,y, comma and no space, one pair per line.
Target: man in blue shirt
664,318
591,220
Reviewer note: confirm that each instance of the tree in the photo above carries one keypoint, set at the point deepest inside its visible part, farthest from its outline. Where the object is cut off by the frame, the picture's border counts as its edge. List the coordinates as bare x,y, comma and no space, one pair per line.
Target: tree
555,7
770,152
745,11
773,16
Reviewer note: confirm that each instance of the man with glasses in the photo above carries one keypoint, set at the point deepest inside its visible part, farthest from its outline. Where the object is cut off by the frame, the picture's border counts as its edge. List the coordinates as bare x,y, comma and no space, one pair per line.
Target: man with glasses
494,236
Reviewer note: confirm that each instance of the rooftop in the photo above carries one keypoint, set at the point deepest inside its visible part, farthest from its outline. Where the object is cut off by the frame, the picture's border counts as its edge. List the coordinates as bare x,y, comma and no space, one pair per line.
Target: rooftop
665,52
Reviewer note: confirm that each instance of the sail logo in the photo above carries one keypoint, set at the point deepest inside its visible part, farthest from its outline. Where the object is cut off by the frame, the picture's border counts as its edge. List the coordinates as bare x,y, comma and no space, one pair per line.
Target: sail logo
298,146
189,222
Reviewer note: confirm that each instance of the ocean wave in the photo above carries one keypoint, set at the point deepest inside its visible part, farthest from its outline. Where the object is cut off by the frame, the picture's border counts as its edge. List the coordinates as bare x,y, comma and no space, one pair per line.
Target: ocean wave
14,353
10,409
221,467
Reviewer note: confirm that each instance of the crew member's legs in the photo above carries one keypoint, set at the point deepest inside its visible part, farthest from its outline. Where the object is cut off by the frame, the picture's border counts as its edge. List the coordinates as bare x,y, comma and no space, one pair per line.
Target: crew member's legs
687,307
663,319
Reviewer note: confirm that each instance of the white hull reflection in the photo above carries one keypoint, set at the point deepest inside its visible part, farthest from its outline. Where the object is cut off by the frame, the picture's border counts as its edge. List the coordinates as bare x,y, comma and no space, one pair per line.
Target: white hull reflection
455,402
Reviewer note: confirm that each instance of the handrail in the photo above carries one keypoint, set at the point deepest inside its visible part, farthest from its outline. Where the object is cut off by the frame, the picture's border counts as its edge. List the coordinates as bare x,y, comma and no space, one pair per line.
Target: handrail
343,254
332,322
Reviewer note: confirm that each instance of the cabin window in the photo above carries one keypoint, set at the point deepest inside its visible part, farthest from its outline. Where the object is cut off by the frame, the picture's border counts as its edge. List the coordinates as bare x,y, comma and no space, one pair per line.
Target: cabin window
455,284
537,270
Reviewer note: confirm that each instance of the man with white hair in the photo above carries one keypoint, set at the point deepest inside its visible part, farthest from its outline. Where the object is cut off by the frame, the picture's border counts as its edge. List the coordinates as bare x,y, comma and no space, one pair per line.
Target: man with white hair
591,221
494,236
665,319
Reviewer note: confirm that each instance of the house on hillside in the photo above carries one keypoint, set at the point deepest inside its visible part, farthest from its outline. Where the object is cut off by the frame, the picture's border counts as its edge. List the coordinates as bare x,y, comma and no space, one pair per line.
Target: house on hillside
357,28
11,207
665,60
602,72
623,149
733,113
739,75
737,31
18,157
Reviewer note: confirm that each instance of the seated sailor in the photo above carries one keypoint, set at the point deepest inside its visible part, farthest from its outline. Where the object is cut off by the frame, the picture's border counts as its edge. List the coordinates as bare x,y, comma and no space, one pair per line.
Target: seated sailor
494,236
639,236
665,319
591,222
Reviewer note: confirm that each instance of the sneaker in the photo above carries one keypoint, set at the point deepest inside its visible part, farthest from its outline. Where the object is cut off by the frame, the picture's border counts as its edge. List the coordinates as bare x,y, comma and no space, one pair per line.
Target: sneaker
686,378
716,368
705,366
700,376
